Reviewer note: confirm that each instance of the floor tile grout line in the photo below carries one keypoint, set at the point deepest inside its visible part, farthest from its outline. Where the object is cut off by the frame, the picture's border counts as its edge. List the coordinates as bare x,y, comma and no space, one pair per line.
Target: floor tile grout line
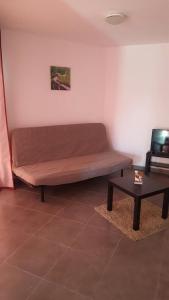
73,220
26,271
85,225
109,259
35,235
159,274
158,284
30,274
33,274
70,247
44,225
108,262
28,209
56,217
62,286
34,290
41,211
20,246
33,209
81,203
23,270
87,254
27,240
57,214
43,278
114,251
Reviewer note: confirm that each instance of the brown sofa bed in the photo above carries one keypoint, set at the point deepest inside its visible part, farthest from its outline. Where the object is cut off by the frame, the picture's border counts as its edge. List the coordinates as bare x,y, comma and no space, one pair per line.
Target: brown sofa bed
61,154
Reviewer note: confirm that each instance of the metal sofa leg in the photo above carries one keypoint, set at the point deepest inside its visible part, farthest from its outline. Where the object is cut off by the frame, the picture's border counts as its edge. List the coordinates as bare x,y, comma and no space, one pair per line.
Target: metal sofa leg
148,163
42,193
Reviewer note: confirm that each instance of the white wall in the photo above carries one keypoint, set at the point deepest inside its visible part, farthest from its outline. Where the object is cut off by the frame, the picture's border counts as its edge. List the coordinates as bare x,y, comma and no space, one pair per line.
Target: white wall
137,99
30,101
126,87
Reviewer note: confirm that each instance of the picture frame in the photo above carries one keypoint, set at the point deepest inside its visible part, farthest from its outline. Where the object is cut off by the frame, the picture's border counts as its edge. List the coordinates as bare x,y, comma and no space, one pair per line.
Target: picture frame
60,78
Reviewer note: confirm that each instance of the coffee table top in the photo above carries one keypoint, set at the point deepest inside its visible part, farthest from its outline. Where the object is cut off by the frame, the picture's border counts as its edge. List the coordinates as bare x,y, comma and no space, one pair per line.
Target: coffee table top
152,184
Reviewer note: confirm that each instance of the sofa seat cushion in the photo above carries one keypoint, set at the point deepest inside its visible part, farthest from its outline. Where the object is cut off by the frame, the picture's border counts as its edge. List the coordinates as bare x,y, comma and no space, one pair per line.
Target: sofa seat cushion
72,169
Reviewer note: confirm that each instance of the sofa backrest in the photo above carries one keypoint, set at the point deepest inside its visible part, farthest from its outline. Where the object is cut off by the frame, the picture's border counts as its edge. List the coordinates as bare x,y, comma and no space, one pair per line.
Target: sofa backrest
38,144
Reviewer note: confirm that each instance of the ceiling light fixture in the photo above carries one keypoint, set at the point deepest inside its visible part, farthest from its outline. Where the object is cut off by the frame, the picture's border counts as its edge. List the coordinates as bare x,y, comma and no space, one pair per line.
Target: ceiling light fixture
115,18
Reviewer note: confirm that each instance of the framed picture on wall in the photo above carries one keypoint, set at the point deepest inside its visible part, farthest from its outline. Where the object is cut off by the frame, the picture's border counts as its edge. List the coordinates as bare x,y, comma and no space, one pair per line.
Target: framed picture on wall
60,78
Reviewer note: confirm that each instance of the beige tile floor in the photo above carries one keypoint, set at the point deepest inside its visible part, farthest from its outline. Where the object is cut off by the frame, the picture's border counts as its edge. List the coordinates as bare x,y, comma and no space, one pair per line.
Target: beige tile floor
62,249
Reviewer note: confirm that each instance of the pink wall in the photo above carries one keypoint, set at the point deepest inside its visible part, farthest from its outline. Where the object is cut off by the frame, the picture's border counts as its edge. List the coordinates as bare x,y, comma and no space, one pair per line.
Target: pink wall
30,101
126,87
137,98
111,90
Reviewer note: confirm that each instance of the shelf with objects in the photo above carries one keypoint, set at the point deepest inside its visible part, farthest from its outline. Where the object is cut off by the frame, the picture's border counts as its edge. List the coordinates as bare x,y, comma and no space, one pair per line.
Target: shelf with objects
159,148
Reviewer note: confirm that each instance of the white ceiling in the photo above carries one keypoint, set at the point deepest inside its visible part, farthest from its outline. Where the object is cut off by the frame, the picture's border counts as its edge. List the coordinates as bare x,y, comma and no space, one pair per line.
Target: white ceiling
83,20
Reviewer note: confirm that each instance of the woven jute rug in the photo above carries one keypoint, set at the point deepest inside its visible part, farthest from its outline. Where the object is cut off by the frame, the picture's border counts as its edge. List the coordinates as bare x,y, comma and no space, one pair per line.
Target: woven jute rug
122,217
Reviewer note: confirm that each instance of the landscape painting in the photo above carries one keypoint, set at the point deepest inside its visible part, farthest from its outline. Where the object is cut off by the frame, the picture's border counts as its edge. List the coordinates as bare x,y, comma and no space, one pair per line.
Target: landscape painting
60,78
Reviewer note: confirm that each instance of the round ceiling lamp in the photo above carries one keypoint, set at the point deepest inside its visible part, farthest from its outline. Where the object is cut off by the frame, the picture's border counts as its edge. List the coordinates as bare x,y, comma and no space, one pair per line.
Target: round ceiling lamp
115,18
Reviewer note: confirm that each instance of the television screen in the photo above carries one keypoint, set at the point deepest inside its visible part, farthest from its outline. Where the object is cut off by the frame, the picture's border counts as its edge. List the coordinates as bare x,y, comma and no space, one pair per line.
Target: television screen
160,142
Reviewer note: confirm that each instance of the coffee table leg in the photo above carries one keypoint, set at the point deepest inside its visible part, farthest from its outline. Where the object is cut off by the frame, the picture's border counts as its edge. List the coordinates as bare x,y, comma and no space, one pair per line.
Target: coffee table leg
165,205
110,196
137,209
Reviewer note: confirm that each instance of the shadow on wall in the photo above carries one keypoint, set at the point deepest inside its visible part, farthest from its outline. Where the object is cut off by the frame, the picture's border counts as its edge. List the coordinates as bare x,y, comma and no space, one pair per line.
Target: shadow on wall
113,60
136,158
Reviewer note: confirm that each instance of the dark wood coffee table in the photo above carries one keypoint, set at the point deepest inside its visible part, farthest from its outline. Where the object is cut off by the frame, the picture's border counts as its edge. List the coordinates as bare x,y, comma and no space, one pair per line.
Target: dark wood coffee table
152,185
